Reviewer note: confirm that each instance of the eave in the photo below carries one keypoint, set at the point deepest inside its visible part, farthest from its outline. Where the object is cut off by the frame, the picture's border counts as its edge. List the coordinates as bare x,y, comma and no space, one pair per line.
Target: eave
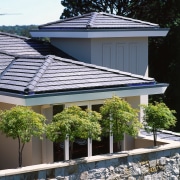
83,95
99,33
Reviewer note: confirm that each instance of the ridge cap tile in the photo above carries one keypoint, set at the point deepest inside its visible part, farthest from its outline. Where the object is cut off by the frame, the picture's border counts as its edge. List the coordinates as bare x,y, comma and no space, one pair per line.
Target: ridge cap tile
32,84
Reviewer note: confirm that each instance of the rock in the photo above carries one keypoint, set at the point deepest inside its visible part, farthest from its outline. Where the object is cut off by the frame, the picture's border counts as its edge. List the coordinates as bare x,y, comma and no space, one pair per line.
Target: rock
84,175
162,161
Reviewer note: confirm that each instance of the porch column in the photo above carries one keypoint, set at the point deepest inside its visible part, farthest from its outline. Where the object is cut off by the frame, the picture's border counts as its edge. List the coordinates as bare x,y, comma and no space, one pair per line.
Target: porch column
89,147
66,148
110,137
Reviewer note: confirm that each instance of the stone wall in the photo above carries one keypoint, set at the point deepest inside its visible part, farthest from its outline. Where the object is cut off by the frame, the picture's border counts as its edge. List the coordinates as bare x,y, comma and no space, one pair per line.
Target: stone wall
159,163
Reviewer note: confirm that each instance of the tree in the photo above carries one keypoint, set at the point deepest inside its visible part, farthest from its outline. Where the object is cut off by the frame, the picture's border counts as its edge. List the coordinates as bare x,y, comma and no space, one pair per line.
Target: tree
119,117
157,116
80,7
22,123
75,123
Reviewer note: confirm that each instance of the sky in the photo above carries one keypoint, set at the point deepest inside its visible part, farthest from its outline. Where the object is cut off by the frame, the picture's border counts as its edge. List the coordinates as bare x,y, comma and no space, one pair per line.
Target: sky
28,12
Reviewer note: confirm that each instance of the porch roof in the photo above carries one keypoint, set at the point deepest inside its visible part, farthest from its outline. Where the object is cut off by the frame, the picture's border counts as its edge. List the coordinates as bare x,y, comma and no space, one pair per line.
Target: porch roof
38,80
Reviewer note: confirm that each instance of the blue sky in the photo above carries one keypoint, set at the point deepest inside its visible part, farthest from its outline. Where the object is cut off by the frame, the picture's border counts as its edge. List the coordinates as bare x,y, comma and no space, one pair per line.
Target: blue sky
26,12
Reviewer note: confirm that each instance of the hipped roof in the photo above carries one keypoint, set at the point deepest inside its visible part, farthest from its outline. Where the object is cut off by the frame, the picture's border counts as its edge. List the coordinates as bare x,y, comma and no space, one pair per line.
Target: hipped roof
99,20
47,74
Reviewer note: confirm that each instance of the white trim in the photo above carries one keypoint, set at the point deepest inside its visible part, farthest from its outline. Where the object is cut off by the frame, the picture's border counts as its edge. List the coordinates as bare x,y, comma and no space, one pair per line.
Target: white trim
12,100
66,148
70,98
100,34
89,147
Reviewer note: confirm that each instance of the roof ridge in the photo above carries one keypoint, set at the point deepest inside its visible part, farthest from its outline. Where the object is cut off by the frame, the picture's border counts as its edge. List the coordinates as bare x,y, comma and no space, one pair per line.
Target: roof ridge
131,19
92,18
32,84
63,20
103,68
7,67
14,35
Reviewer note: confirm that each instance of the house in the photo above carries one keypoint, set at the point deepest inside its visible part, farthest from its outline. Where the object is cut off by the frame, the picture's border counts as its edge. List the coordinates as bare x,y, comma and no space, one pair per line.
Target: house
89,58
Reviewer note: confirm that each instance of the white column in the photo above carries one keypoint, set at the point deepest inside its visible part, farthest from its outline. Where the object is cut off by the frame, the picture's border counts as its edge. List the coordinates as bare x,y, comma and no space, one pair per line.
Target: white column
89,147
110,137
66,148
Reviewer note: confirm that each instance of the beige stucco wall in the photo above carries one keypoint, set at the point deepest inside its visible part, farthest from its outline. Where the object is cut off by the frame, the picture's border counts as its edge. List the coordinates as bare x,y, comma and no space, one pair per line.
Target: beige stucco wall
146,143
32,153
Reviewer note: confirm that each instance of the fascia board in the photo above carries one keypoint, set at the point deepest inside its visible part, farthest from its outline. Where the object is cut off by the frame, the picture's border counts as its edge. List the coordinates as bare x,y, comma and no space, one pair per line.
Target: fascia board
55,98
13,100
100,34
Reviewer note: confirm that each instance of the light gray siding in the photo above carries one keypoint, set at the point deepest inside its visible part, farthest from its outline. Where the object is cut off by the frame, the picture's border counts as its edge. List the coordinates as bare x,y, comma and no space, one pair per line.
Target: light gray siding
125,54
77,48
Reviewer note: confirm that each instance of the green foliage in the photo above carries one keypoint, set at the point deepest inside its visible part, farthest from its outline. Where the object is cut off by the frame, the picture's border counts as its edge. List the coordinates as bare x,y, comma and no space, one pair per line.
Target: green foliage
75,8
22,123
75,123
122,116
18,30
158,116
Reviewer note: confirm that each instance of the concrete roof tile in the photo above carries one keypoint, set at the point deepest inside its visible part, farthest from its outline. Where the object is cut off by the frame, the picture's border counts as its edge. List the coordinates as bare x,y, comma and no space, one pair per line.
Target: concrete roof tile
97,20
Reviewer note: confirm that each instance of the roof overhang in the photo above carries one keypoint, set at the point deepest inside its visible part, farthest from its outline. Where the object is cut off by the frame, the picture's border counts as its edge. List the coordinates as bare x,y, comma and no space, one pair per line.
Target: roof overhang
100,33
83,95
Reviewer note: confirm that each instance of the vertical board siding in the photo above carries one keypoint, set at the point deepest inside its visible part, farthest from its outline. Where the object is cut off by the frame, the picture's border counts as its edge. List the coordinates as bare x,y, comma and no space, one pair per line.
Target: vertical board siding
107,55
133,58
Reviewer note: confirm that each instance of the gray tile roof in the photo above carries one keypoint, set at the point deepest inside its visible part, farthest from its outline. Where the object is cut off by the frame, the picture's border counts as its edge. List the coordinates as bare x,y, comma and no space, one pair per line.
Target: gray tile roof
98,21
33,74
20,45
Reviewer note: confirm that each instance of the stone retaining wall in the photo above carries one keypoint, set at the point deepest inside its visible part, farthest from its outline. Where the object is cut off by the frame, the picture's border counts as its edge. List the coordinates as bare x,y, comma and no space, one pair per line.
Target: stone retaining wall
160,163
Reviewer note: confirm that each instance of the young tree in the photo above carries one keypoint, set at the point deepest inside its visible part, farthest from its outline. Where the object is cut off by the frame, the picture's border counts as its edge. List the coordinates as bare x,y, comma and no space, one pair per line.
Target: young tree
22,123
75,123
119,117
157,116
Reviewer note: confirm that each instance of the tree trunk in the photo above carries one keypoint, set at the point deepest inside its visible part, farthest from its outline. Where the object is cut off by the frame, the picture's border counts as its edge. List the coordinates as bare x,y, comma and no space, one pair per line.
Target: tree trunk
20,150
71,150
155,137
119,145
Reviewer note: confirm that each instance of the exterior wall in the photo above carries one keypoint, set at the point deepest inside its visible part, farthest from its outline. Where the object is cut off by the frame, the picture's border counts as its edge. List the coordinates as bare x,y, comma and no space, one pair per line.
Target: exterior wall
146,143
9,153
33,152
129,142
125,54
77,48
